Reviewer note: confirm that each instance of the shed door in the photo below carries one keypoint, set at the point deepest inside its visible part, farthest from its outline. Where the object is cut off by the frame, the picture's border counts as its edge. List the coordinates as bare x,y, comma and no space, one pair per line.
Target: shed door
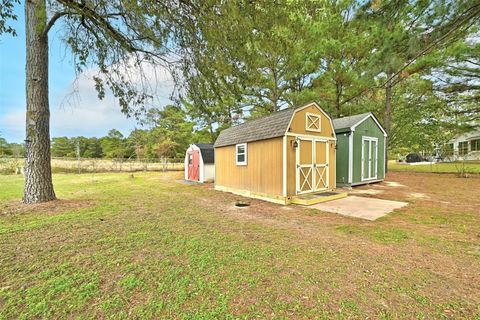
312,165
321,165
194,165
369,158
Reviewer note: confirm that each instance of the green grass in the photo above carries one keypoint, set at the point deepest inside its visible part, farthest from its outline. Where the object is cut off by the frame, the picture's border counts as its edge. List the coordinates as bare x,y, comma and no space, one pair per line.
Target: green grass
147,247
443,167
385,236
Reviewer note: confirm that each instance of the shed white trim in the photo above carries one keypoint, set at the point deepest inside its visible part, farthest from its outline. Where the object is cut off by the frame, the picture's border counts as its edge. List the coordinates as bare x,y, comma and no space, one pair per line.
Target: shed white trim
350,157
245,153
370,115
284,166
319,109
370,174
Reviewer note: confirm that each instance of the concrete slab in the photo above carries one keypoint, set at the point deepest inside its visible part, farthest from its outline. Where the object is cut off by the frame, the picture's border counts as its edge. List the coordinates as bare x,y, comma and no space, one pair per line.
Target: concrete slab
187,182
360,207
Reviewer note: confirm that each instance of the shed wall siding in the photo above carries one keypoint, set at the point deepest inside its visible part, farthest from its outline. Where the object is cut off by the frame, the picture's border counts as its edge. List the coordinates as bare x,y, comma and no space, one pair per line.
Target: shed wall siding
367,128
209,172
298,127
332,166
263,172
342,158
298,124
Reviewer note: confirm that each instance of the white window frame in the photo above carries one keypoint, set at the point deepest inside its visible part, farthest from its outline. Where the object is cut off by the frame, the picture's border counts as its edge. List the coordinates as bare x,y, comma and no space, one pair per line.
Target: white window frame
241,163
309,128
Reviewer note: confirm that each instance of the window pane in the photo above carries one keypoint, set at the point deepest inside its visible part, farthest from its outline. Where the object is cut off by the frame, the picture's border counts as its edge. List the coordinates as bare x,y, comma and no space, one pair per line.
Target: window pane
463,148
241,158
475,145
241,149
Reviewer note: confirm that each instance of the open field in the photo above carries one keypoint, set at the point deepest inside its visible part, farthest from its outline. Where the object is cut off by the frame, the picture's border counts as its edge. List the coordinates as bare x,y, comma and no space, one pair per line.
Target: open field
148,247
69,165
442,167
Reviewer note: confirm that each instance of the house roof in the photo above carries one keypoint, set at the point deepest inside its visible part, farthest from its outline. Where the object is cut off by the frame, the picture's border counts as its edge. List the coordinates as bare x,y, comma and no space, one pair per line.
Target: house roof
349,123
208,155
272,126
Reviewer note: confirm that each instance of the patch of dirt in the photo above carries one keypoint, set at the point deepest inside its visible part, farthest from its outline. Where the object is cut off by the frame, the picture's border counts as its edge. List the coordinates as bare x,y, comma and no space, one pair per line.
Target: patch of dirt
51,208
418,195
367,191
393,184
439,223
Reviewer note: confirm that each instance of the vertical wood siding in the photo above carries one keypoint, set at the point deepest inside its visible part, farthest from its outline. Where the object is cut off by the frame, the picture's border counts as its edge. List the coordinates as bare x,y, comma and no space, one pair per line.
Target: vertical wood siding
368,128
298,126
342,158
263,172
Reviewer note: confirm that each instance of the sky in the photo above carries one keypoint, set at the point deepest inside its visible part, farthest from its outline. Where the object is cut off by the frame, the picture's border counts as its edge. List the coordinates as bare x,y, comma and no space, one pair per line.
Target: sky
79,114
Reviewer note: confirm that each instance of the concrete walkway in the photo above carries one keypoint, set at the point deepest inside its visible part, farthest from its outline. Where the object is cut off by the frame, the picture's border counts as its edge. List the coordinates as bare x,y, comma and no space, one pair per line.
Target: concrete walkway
360,207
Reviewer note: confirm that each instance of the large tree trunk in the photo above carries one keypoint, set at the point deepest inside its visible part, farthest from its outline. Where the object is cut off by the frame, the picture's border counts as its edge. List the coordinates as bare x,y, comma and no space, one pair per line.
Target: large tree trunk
387,118
38,171
338,93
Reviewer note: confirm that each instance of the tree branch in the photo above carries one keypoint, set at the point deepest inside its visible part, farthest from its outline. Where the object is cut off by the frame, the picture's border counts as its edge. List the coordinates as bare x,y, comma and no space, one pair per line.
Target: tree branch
52,21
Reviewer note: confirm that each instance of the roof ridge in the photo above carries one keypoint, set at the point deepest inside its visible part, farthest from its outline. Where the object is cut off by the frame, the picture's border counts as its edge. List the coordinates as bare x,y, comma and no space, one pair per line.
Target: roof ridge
355,115
260,118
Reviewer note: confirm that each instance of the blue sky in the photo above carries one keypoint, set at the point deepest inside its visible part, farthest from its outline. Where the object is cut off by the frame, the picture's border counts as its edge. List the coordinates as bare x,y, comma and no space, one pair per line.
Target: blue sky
71,115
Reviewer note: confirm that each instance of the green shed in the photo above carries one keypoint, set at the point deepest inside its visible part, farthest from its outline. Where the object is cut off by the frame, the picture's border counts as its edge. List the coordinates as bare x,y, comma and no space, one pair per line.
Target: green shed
360,150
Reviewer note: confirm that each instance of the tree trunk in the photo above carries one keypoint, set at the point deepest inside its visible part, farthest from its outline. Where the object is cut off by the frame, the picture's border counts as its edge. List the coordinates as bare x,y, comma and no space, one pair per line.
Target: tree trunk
387,118
338,93
38,171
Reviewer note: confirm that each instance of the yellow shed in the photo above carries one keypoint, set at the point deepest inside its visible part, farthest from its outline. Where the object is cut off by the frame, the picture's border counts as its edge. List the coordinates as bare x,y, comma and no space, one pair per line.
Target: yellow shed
279,157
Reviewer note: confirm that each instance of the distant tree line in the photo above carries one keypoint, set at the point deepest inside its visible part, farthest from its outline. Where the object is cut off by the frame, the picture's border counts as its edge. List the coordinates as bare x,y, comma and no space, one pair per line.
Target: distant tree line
11,149
167,133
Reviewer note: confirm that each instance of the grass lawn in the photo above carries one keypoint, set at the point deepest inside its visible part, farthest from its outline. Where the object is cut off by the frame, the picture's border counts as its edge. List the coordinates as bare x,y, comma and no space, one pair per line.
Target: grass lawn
442,167
148,247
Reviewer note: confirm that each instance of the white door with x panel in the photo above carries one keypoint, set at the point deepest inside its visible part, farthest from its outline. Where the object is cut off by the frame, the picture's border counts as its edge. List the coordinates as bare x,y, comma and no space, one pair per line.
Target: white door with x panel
311,165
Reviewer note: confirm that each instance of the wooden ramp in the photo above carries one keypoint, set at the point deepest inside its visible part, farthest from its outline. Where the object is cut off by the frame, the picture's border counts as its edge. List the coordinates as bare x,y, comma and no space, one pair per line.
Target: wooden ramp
317,197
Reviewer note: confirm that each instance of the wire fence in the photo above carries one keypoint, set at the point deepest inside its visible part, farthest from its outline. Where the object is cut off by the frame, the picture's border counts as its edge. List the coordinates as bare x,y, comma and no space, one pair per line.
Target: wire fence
14,165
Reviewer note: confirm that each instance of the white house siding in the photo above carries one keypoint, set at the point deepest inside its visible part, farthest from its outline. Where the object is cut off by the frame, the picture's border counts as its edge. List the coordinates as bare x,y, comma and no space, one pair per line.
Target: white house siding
471,154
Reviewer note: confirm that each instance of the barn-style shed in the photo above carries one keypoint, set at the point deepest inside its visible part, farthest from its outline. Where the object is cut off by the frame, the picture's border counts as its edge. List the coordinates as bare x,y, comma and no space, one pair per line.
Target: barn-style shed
279,157
200,163
360,149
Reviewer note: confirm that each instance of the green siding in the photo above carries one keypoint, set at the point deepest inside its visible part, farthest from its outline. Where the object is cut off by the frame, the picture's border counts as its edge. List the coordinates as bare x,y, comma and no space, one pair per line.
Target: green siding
342,158
367,128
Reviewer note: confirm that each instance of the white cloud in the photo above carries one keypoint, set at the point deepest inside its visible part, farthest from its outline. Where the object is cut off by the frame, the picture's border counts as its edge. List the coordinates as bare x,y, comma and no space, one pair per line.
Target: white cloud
82,113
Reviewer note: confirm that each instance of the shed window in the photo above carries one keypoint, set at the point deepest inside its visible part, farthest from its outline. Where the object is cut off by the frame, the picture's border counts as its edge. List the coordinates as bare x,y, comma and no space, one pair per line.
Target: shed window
190,159
463,148
475,145
313,122
241,154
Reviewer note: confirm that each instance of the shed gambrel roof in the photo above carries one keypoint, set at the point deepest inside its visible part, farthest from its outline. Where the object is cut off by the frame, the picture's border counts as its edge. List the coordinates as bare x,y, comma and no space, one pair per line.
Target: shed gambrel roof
272,126
208,154
349,123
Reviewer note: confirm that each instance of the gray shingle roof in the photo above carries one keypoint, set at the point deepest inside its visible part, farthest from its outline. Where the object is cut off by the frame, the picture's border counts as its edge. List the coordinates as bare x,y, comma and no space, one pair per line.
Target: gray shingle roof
272,126
207,152
348,122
